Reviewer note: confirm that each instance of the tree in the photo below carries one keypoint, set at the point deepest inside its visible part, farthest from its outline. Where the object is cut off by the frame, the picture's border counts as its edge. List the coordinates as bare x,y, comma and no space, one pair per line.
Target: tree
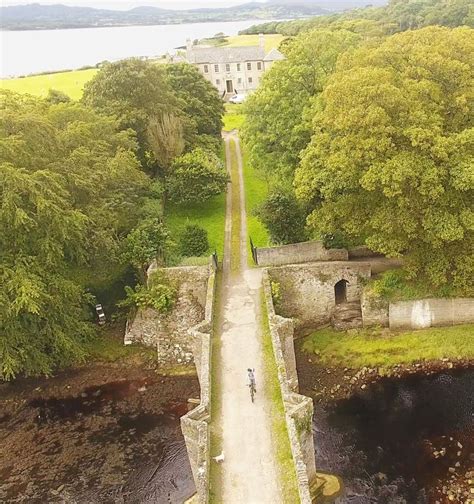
147,242
166,139
283,217
193,241
199,100
70,187
55,96
390,160
196,177
135,91
278,124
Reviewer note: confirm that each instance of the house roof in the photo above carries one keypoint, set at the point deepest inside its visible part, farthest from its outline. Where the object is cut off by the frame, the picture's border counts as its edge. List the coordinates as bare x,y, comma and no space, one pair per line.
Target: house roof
274,55
225,54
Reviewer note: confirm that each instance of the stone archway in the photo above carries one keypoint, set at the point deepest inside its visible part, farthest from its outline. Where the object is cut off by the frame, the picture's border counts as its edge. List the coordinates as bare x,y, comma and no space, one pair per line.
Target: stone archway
340,291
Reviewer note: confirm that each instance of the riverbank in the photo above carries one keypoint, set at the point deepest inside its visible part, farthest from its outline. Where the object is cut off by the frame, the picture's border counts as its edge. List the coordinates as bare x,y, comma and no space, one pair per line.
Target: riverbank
407,433
103,432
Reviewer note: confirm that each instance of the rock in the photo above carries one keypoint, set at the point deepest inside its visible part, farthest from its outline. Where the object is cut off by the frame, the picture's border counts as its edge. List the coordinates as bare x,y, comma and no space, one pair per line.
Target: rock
363,387
451,470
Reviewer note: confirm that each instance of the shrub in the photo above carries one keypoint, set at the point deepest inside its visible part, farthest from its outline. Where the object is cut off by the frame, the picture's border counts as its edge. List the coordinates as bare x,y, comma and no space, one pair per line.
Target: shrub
193,241
284,218
159,295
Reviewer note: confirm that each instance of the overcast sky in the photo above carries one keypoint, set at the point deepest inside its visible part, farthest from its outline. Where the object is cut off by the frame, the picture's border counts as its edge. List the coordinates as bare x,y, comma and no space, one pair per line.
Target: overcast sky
128,4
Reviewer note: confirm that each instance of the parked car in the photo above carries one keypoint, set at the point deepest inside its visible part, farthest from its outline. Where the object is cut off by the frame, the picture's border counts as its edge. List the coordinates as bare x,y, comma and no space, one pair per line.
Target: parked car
100,314
237,98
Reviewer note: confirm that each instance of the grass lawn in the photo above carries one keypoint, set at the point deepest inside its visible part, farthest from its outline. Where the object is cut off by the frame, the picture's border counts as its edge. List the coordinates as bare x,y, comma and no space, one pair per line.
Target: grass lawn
271,41
210,215
233,118
377,348
71,83
256,190
236,215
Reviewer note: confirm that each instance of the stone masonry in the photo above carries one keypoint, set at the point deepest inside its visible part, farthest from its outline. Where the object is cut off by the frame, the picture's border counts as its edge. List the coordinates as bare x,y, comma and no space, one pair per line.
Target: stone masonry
169,332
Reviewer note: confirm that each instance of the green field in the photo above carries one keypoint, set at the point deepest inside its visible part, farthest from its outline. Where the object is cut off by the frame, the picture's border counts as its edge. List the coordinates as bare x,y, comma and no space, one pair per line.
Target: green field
271,41
233,118
256,190
379,348
71,83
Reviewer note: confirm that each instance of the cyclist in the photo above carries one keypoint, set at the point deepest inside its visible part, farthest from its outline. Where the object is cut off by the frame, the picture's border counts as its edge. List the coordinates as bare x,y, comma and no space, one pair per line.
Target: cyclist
251,377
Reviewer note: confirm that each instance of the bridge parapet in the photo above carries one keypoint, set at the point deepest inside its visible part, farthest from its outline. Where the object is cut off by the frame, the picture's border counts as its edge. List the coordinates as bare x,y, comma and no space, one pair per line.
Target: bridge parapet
298,408
195,424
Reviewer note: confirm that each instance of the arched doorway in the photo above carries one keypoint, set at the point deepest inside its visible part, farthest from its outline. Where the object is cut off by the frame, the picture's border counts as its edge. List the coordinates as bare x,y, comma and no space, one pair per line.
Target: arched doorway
340,291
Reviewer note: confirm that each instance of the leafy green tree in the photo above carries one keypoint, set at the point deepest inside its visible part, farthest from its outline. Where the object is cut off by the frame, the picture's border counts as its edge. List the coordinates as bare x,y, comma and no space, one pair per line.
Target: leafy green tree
199,100
391,158
193,241
284,218
70,187
196,177
55,96
147,242
135,91
278,124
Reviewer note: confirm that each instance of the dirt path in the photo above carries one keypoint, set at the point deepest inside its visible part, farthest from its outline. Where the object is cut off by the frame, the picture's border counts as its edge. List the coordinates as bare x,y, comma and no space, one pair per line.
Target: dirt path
249,472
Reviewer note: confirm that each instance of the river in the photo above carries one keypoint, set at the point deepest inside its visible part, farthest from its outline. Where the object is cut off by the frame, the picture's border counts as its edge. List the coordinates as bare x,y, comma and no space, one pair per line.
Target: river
34,51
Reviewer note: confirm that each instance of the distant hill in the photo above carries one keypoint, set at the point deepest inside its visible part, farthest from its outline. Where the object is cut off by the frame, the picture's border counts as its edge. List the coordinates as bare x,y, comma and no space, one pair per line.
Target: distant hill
43,17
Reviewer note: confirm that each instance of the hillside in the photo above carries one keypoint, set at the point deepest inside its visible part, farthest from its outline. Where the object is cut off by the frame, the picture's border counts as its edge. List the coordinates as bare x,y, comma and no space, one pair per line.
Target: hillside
39,17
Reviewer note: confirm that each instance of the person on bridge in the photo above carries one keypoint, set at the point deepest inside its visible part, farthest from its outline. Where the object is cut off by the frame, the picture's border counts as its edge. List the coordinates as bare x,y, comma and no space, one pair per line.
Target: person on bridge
251,377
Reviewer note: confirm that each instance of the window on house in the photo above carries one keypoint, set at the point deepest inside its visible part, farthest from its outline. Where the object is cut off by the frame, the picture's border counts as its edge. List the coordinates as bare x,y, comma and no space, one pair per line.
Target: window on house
238,67
239,81
218,82
216,68
206,68
259,65
249,66
250,80
227,67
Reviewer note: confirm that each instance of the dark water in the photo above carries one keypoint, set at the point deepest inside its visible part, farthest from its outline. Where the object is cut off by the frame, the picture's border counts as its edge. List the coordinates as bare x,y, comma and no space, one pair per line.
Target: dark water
382,440
106,445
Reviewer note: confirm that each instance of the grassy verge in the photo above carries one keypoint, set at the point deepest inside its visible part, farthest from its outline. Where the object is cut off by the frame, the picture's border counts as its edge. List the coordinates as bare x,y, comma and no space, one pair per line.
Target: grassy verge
215,476
256,190
379,348
236,217
209,215
234,117
281,442
71,83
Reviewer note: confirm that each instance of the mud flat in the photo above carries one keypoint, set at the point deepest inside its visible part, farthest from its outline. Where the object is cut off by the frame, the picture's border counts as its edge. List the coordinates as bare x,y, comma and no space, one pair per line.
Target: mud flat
407,438
97,434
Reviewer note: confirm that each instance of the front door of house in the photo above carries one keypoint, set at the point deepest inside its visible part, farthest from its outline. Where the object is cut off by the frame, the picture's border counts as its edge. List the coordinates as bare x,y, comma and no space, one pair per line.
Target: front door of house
230,87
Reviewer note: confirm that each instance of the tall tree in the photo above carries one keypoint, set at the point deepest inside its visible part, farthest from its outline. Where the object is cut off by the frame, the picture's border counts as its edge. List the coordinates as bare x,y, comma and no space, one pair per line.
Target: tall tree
70,188
135,91
391,155
278,124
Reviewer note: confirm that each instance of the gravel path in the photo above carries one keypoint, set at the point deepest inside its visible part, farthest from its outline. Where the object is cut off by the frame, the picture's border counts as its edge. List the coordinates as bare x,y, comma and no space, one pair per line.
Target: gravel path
249,472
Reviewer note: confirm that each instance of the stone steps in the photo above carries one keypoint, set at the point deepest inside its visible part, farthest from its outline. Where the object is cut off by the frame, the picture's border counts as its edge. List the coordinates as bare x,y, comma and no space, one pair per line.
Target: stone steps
347,316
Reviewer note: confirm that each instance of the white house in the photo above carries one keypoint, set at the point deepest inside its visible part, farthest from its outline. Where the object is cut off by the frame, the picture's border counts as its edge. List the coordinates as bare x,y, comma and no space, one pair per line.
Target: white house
233,69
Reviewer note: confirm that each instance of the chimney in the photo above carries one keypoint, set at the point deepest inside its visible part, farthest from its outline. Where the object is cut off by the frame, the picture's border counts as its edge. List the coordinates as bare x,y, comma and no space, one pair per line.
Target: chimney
261,40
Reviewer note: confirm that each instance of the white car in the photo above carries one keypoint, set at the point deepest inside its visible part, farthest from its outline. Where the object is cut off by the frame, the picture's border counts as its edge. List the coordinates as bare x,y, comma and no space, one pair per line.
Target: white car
237,98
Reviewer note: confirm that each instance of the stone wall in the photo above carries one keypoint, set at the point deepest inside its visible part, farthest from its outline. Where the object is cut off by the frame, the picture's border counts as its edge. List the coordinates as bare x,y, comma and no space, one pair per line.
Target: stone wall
298,408
307,290
297,253
374,311
421,313
195,424
169,332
